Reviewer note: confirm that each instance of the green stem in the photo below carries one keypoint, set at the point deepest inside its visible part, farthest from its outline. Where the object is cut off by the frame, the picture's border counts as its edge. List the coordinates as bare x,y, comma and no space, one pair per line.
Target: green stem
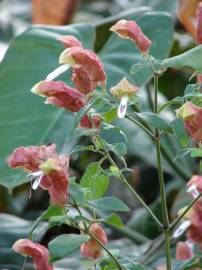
100,243
108,252
128,185
165,216
162,186
168,250
173,225
140,125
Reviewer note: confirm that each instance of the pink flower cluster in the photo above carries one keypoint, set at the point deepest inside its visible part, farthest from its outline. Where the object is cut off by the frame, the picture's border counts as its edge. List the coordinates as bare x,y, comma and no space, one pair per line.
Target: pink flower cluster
49,169
87,74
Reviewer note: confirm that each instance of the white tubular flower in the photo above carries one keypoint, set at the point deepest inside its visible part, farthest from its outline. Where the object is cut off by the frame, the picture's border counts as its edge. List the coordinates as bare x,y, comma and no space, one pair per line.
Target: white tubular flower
122,107
57,72
123,91
182,228
193,191
36,179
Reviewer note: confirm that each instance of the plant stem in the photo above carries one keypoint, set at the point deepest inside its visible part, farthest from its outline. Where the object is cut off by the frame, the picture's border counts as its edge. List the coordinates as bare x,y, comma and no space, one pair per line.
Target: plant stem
172,226
128,185
100,243
166,224
108,252
140,125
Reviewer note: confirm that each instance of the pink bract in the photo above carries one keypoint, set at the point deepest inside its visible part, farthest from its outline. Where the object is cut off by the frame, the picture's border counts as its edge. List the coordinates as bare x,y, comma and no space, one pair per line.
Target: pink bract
199,23
30,158
183,251
91,249
130,30
39,253
87,61
60,95
56,179
69,41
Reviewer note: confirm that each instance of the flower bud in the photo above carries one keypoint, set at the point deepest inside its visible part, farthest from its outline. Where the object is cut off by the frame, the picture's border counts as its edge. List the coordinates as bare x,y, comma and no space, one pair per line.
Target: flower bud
60,95
184,251
39,253
95,121
130,30
92,249
69,41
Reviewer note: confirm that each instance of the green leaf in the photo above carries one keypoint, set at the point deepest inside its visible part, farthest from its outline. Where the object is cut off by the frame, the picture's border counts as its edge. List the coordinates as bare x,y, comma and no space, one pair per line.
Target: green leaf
109,204
112,219
76,193
65,244
95,181
137,67
80,148
175,101
155,121
181,134
110,115
53,210
81,113
119,149
196,153
191,58
112,134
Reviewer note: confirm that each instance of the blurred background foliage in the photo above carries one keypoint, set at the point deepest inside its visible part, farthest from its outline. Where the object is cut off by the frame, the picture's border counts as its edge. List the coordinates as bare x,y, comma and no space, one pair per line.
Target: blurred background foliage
25,120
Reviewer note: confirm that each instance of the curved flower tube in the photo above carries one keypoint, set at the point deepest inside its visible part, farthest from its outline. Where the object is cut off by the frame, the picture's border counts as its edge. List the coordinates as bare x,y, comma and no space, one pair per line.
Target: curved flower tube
130,30
39,253
59,94
124,90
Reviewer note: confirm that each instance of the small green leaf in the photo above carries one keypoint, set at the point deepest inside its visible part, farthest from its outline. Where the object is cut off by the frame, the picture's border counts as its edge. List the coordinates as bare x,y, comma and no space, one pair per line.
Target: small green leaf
83,112
191,58
109,204
196,153
113,219
115,171
119,149
178,127
141,65
65,244
58,221
95,181
175,101
110,115
155,121
76,193
80,148
53,210
112,134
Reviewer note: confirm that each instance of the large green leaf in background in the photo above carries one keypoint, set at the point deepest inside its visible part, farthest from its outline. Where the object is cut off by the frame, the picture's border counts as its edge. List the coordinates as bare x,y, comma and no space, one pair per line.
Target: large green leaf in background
24,119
